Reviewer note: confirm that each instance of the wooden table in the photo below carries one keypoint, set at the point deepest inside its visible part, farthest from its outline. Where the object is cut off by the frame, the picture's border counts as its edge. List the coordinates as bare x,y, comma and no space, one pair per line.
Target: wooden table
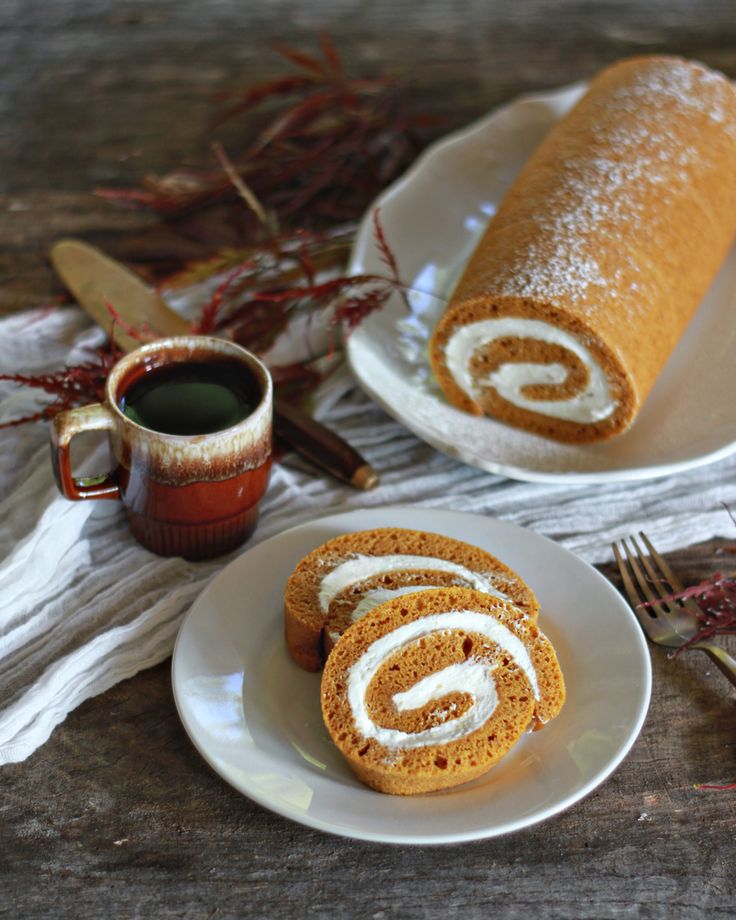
117,814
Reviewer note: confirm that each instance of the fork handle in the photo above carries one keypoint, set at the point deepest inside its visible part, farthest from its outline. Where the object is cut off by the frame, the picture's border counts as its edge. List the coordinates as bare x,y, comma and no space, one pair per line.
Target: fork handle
720,657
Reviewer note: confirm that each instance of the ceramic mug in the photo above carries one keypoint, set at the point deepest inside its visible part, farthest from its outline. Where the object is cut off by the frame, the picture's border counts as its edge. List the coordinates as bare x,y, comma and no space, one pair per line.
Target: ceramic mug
191,495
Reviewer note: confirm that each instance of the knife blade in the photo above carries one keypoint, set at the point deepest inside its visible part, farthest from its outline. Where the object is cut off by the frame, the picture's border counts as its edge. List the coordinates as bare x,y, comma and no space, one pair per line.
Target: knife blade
99,282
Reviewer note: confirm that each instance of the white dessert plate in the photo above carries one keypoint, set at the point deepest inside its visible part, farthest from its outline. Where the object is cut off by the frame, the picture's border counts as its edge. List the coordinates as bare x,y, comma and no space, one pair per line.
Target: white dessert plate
255,716
432,219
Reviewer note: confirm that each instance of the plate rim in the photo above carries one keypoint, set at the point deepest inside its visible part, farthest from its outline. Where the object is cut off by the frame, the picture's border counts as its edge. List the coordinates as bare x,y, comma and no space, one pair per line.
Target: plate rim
509,470
353,833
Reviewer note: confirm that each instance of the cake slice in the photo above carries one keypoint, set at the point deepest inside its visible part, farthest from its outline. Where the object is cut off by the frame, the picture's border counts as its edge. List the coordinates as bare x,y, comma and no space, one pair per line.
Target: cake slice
430,690
337,583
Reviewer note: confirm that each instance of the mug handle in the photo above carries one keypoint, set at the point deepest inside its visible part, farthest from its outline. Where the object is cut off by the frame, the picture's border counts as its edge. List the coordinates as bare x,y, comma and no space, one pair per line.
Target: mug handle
64,427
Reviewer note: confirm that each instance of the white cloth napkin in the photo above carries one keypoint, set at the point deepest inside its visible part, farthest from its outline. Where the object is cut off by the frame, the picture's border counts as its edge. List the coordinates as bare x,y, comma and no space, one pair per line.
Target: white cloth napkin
83,606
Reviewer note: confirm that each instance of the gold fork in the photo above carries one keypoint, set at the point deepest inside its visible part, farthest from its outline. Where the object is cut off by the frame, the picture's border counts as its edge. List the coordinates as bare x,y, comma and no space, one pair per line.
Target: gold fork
647,578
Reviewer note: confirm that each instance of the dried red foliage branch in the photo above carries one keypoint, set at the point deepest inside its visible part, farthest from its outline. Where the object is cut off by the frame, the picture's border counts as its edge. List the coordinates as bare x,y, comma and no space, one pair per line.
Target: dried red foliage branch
70,386
716,598
323,156
256,314
286,204
260,312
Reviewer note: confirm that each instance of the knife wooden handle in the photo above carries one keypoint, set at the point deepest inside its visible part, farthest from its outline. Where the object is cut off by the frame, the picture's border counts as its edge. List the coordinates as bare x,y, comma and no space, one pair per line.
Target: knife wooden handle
322,446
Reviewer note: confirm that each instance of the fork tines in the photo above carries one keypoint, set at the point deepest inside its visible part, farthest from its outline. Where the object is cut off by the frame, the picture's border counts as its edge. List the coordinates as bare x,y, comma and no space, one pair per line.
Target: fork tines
650,582
638,577
658,574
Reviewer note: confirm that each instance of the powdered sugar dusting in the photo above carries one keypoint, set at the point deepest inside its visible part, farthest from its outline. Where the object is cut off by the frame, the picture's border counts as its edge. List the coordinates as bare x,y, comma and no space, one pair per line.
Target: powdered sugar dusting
601,200
689,84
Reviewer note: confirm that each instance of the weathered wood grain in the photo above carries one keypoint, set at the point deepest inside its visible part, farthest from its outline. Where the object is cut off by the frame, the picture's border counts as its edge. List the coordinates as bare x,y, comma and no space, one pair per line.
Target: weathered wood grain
118,815
98,93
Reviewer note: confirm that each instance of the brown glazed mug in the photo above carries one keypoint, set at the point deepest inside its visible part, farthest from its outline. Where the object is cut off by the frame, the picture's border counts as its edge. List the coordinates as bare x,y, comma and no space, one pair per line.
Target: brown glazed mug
192,495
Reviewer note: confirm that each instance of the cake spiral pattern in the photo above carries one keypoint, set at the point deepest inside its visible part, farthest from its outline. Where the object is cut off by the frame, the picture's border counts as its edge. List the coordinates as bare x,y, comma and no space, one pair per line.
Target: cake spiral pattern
431,689
342,580
598,256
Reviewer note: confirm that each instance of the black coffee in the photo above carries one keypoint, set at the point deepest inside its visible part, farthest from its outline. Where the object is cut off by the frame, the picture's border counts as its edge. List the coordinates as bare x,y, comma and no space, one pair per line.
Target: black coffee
192,398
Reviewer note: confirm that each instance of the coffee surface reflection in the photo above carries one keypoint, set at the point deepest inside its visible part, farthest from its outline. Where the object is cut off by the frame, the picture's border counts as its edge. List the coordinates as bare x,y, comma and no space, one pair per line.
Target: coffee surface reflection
192,398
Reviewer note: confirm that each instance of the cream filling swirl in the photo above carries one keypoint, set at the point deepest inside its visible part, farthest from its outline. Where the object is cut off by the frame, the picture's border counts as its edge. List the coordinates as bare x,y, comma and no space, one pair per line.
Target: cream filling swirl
592,404
473,676
360,567
378,596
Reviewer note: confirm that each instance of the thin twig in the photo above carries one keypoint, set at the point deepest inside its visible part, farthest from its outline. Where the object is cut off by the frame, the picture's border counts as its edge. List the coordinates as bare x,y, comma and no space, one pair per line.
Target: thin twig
245,192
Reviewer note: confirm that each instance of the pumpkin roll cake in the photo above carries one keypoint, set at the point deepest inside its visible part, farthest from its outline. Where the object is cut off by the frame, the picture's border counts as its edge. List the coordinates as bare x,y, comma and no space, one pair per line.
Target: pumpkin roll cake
598,256
431,689
340,581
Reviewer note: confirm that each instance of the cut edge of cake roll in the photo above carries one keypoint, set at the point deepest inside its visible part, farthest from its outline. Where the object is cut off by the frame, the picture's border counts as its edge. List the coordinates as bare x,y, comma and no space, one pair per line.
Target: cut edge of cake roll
431,690
344,578
600,253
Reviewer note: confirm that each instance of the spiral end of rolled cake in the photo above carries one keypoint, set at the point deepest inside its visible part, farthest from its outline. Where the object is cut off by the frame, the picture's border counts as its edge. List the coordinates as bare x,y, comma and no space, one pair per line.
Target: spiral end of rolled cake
431,690
529,367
